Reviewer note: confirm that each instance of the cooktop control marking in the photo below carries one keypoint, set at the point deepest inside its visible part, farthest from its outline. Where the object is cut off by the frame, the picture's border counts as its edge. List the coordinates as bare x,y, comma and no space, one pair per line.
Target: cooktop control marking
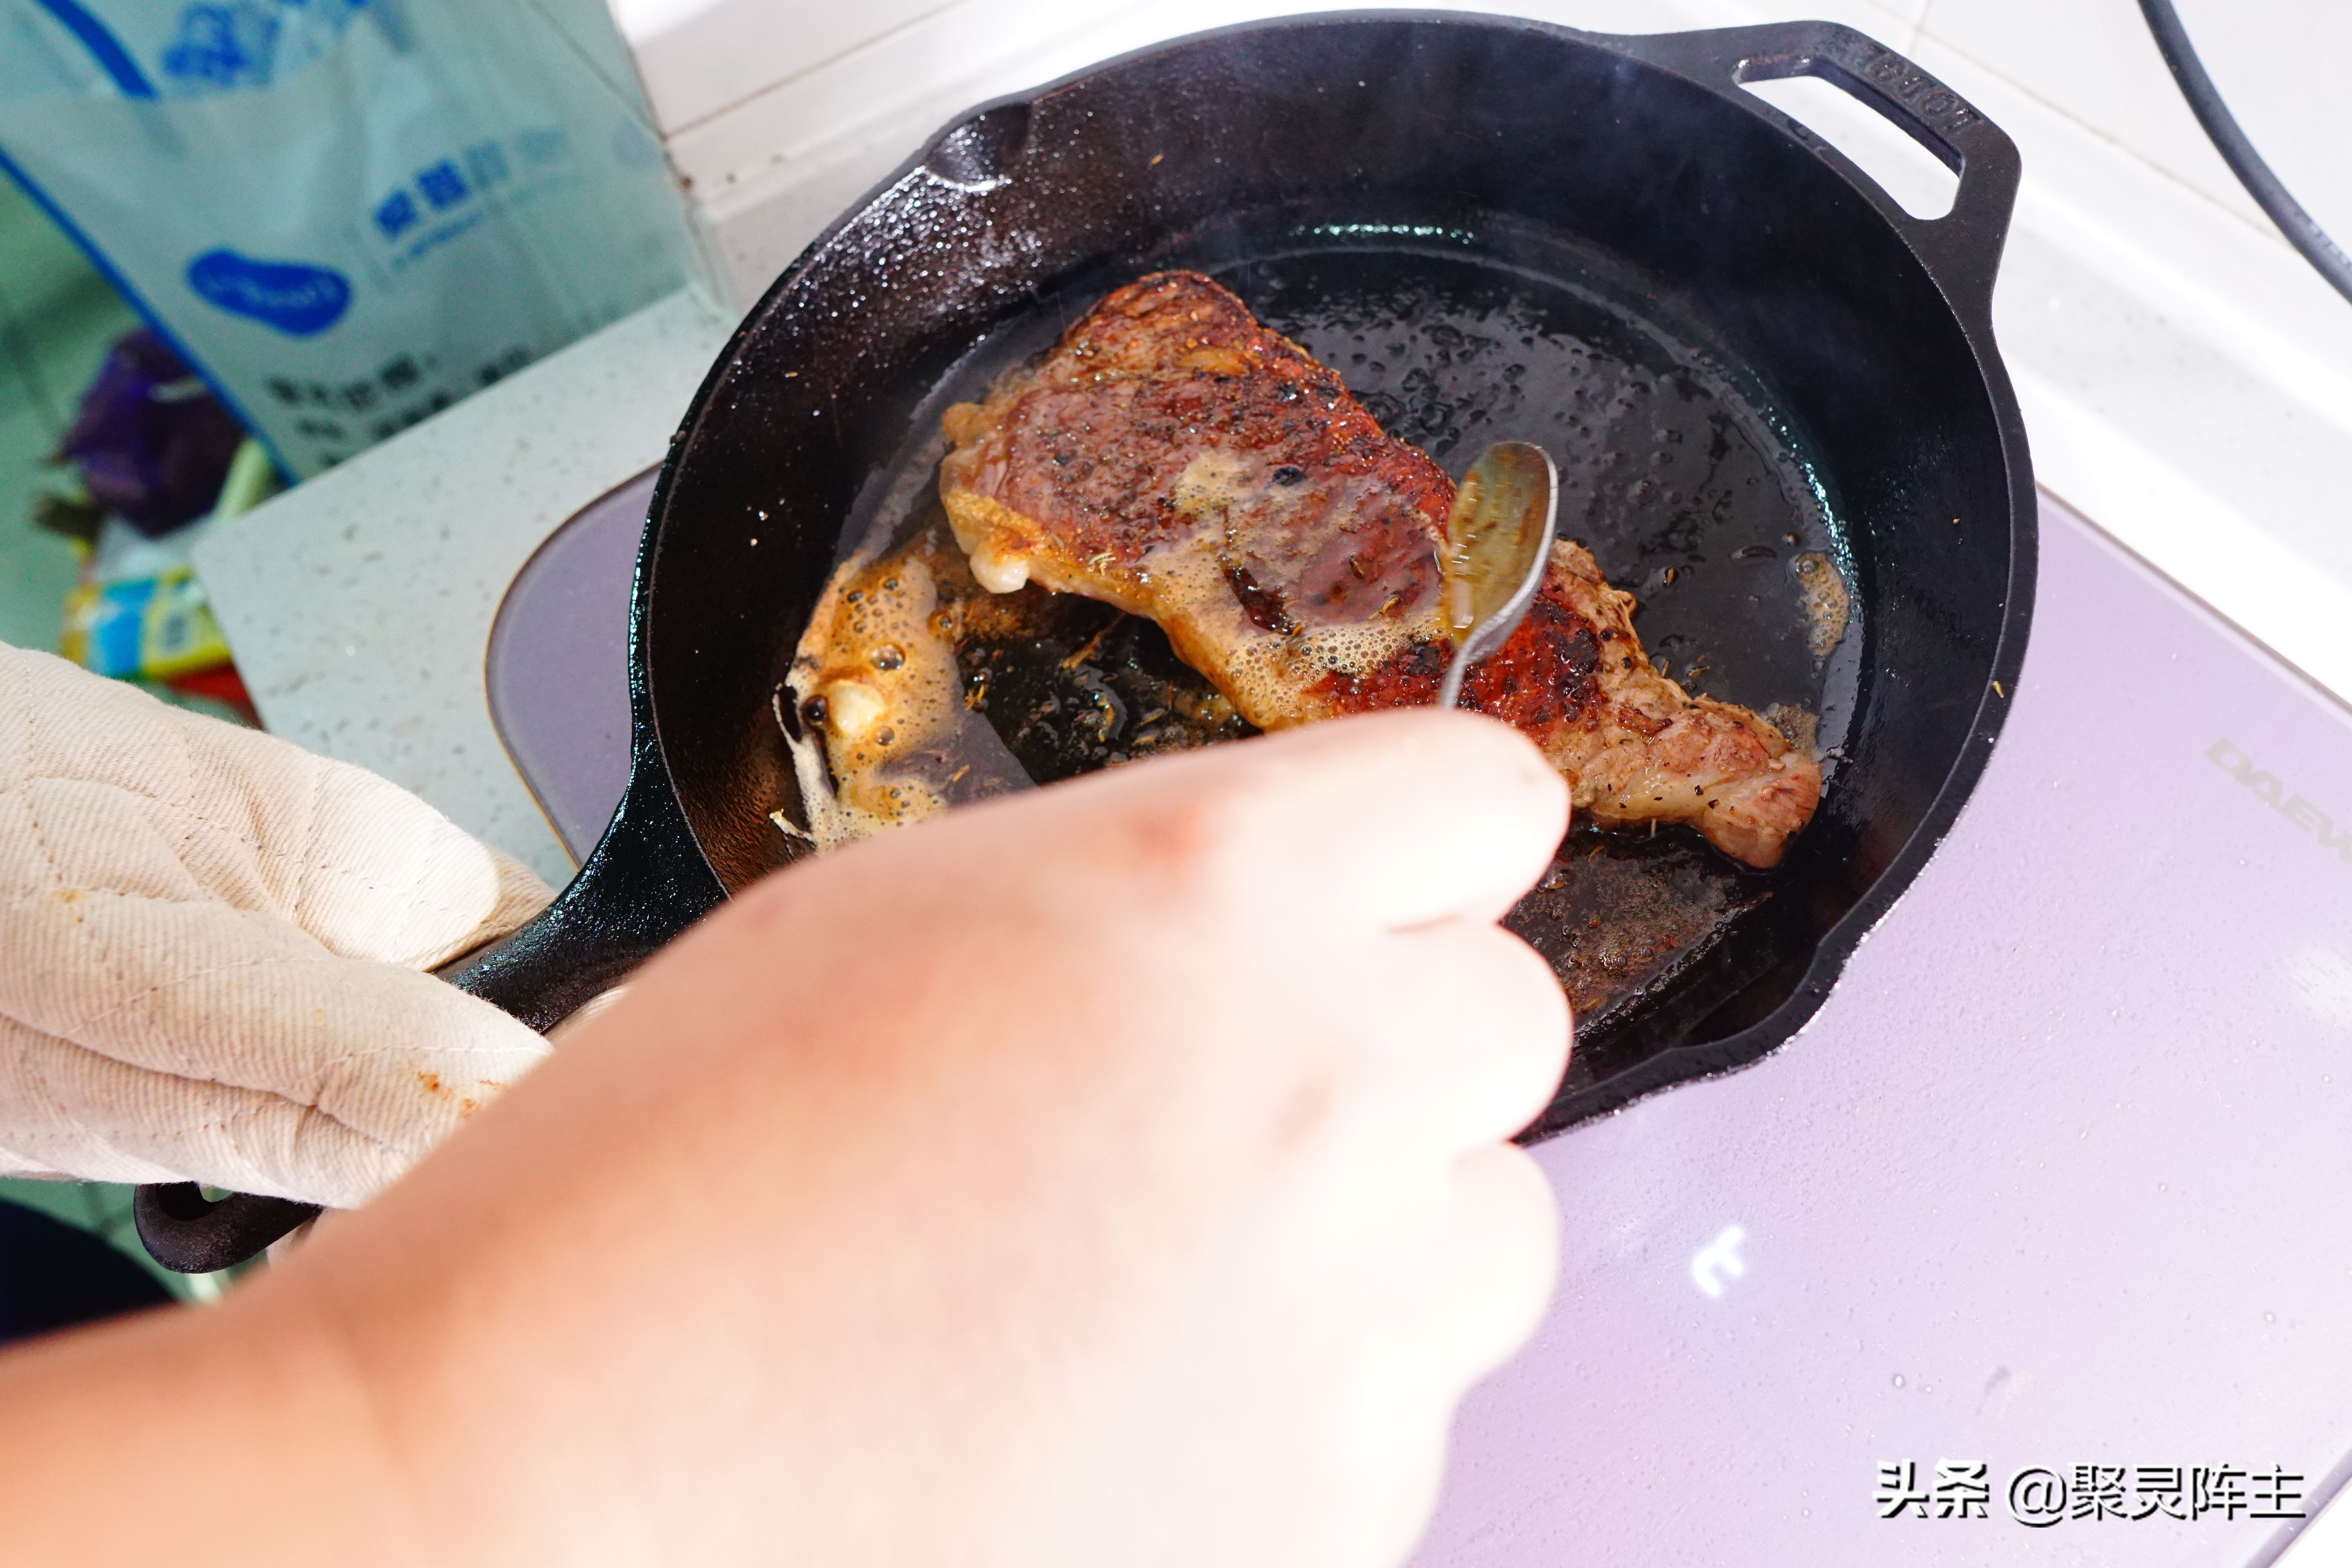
1717,1260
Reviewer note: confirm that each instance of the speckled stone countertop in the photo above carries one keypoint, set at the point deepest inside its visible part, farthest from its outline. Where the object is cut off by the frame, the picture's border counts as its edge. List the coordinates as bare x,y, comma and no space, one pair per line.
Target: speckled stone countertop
359,604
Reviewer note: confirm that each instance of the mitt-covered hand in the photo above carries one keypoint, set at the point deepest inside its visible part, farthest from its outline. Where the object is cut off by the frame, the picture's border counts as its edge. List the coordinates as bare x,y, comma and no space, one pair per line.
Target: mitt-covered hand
213,948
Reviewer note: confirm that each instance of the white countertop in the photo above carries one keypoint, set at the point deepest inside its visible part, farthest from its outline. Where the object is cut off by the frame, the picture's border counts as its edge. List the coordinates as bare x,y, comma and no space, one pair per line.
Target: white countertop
359,605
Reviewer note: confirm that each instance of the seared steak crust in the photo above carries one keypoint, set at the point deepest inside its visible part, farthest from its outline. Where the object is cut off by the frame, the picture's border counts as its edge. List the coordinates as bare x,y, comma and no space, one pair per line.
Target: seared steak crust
1633,745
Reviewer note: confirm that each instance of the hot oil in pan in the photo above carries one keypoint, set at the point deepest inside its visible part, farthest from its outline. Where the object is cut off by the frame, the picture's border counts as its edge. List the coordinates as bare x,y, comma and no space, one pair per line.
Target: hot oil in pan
1669,472
1688,492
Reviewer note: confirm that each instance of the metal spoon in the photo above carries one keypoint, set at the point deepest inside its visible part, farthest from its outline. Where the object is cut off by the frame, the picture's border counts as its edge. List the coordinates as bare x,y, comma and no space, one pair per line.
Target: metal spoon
1497,541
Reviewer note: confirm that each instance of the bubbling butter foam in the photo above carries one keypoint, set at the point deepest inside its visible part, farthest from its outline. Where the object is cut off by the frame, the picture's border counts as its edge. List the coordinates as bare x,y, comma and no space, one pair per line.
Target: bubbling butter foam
1828,605
885,737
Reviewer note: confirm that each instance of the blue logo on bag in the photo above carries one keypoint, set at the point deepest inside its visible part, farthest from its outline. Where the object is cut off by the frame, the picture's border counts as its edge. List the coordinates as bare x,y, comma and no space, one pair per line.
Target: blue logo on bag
222,47
297,300
233,46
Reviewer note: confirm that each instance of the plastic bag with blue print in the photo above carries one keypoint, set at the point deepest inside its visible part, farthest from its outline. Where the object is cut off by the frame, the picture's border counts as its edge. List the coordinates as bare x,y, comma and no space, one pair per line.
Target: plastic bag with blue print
346,214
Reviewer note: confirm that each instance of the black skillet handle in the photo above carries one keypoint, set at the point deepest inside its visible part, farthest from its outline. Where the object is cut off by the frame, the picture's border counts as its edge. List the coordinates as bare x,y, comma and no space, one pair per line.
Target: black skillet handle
190,1234
1962,248
644,882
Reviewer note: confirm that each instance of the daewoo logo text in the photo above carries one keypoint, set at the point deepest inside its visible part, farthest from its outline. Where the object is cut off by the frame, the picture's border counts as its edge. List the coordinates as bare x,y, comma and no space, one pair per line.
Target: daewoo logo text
2234,761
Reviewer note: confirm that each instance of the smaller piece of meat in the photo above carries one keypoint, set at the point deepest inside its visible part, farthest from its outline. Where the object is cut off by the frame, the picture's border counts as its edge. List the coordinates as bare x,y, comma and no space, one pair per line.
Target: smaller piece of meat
1634,746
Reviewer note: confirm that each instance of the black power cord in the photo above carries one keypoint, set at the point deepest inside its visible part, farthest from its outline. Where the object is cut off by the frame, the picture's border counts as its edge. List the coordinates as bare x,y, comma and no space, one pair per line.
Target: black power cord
2301,230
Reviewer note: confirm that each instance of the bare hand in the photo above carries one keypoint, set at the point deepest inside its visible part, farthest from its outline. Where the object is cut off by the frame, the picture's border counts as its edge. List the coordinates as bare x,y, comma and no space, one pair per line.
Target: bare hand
1112,1174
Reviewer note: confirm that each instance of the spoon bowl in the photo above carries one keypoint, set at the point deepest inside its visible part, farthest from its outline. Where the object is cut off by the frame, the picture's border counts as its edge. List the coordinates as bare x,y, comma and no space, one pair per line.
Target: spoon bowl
1497,541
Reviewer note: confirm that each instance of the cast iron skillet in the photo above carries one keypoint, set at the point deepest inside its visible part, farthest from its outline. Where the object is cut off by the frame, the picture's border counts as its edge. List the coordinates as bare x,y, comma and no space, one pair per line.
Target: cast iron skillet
1511,144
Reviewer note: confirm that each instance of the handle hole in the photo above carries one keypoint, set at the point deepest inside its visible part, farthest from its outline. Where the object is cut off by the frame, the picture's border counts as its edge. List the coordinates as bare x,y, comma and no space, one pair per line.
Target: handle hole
1922,182
979,154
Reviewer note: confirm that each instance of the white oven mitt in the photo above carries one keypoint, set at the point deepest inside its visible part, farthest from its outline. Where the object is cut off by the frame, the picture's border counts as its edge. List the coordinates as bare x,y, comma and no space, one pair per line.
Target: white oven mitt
212,952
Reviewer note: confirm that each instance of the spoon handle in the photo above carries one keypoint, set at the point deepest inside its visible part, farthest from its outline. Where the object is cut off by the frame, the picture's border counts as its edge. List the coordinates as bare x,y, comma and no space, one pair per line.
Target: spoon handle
1449,690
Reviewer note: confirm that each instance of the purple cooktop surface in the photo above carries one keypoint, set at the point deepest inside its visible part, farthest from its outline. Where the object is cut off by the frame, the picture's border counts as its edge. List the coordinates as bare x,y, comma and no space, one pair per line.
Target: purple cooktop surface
558,665
2039,1237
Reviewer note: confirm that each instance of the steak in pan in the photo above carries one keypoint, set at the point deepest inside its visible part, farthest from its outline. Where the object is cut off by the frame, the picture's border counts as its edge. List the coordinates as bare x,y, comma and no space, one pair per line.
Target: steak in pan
1172,456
